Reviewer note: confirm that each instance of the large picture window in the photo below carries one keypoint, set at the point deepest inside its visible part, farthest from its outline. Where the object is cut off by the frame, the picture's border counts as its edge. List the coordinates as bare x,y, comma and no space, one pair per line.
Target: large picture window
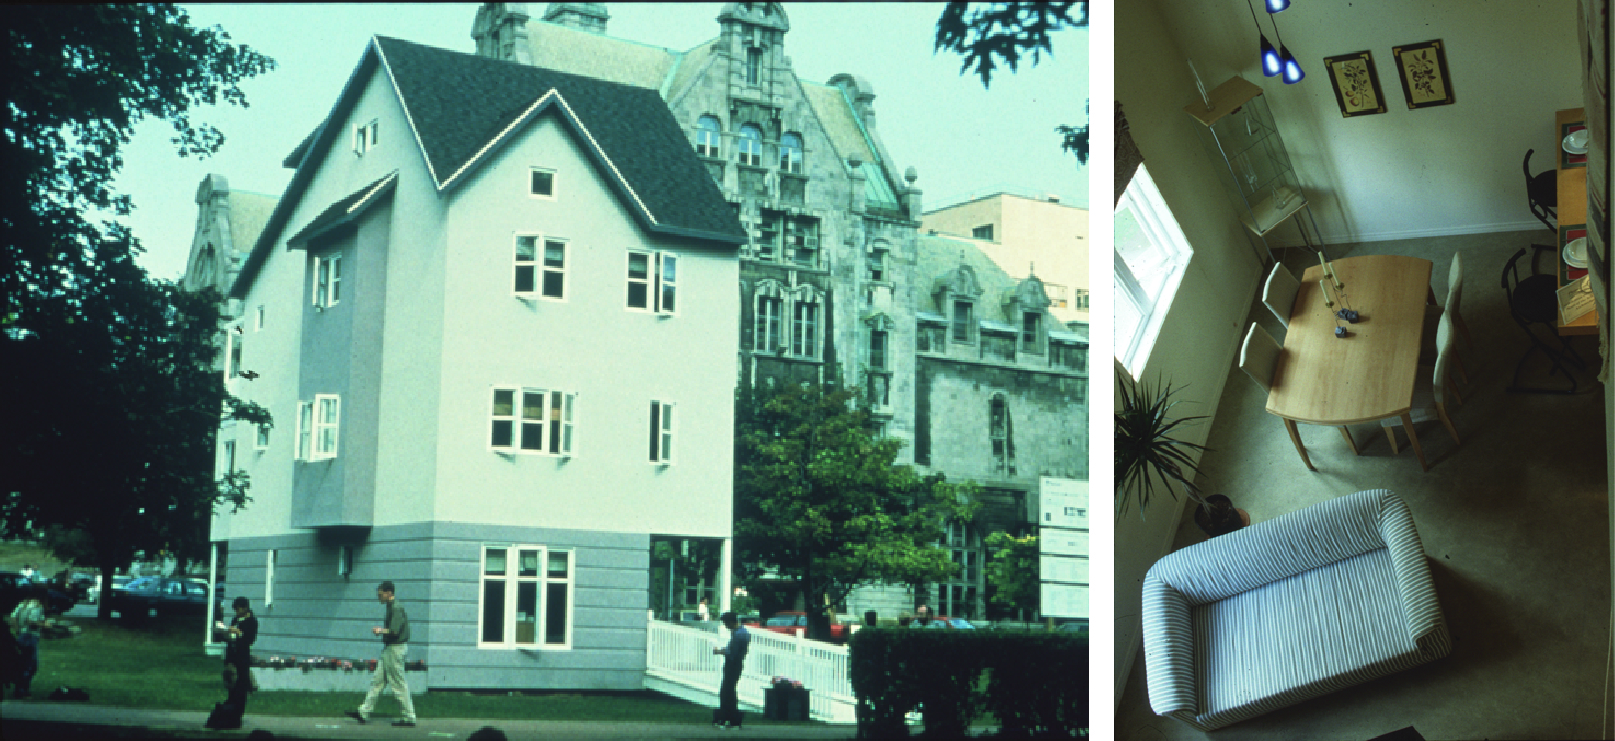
1151,255
526,597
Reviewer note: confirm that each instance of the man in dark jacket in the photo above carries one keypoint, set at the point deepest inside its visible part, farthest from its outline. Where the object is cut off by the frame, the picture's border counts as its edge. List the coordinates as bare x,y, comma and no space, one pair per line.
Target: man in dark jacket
734,660
390,670
243,631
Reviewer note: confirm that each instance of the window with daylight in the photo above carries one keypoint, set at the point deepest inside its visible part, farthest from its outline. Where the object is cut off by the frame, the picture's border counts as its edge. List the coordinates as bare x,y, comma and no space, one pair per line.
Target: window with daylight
877,349
963,321
1031,332
303,437
754,65
526,265
708,137
327,281
751,145
526,597
327,420
802,237
653,281
269,578
985,231
1151,254
229,462
258,322
805,328
999,432
554,285
533,421
232,360
542,183
550,282
766,335
769,232
261,442
364,137
876,262
790,153
661,432
1082,299
957,596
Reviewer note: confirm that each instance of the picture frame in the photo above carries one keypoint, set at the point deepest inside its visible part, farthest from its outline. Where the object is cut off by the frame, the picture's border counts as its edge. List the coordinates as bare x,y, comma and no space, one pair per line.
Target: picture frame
1426,81
1356,83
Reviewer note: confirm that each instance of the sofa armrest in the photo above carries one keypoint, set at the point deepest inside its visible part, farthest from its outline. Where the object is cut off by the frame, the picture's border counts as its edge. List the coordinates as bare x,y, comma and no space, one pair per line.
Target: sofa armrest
1418,592
1169,649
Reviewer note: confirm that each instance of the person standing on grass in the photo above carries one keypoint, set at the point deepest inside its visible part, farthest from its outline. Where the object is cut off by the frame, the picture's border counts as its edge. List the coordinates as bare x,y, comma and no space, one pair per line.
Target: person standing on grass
25,621
734,659
390,670
238,652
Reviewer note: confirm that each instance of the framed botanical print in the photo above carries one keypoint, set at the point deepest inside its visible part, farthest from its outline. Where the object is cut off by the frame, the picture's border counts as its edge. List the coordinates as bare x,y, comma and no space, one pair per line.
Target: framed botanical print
1423,67
1356,84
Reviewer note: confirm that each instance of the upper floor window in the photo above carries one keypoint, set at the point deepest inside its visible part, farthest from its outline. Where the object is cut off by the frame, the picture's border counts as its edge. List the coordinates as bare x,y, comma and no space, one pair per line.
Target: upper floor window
1082,299
985,231
877,349
303,436
790,153
751,145
529,420
542,183
547,278
328,280
963,321
766,335
232,357
805,327
661,432
876,263
1151,255
364,137
802,236
525,597
754,65
653,281
708,137
258,321
1031,332
1003,446
317,425
262,441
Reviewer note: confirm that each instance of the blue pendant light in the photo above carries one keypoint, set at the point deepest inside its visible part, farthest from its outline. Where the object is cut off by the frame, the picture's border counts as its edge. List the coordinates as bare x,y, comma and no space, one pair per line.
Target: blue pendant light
1292,69
1272,63
1274,6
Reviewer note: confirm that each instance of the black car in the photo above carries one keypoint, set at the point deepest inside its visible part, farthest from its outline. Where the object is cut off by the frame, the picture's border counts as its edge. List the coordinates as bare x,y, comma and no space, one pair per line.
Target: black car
164,595
14,588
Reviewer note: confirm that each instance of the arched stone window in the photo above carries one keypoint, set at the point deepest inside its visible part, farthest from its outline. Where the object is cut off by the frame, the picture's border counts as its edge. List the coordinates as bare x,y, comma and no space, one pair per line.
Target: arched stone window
807,323
999,432
754,65
751,145
790,153
768,312
708,137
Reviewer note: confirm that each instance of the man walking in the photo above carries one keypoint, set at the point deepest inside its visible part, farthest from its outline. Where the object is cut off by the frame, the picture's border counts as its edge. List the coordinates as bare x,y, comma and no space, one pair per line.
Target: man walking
734,659
390,670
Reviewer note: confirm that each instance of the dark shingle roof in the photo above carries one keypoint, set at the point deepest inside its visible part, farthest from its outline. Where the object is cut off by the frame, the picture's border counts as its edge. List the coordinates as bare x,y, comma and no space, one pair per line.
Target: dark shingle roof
349,208
463,108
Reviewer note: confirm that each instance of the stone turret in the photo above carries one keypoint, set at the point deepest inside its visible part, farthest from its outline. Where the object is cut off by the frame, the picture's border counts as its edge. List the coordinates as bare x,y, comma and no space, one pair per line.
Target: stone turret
589,17
500,30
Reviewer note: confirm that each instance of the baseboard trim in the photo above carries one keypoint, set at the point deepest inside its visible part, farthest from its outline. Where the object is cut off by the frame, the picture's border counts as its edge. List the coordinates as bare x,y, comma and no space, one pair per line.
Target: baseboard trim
1512,226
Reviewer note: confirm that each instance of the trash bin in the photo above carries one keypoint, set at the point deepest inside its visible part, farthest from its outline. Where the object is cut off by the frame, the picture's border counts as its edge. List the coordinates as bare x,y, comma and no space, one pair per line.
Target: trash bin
784,702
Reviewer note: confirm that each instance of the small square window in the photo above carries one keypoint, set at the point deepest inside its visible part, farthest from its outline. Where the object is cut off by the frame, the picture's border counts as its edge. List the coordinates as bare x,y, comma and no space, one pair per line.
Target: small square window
985,231
543,183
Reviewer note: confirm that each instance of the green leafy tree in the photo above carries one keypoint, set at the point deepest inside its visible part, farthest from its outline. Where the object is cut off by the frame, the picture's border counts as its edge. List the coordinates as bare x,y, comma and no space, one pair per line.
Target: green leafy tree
819,500
113,401
991,34
1012,571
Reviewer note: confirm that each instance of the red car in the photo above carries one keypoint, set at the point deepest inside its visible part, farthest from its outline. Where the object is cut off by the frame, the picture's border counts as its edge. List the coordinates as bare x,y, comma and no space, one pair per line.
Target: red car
788,621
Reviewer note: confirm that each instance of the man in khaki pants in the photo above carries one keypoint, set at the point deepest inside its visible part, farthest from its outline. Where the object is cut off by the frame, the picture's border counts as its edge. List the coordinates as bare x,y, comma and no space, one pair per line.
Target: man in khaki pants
390,670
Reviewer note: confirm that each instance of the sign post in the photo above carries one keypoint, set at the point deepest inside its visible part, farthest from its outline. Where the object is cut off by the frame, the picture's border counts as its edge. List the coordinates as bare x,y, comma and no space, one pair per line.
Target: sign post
1063,548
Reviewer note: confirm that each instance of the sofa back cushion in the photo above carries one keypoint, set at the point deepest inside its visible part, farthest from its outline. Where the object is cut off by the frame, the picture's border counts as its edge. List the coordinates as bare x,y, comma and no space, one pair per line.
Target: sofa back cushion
1277,549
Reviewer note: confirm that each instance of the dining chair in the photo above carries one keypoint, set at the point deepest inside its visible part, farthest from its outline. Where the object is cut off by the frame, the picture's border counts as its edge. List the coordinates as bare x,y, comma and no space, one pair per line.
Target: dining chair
1279,293
1455,286
1542,193
1259,357
1535,300
1430,401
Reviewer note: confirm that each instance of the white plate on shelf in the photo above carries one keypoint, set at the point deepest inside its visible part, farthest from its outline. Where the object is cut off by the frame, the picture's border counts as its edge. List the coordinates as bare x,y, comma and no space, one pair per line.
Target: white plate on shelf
1576,142
1576,253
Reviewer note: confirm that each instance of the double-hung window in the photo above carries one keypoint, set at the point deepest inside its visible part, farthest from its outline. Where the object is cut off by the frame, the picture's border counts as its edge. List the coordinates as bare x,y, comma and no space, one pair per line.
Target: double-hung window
766,332
262,440
1031,326
805,329
533,277
661,432
526,597
1151,254
653,281
530,420
327,421
708,137
751,145
790,153
963,321
327,280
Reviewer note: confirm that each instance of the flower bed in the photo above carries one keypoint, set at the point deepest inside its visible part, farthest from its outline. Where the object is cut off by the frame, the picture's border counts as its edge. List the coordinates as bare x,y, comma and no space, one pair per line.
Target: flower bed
324,674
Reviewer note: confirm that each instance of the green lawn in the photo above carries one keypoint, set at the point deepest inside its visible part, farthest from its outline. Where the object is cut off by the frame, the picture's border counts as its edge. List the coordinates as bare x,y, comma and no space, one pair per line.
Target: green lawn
161,665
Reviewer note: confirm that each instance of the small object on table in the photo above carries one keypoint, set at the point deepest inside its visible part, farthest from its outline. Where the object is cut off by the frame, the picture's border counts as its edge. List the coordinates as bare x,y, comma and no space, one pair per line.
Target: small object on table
1340,331
1350,315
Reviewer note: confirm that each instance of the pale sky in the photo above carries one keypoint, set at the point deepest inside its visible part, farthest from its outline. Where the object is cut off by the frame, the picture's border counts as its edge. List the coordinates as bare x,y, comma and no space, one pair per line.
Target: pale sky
958,136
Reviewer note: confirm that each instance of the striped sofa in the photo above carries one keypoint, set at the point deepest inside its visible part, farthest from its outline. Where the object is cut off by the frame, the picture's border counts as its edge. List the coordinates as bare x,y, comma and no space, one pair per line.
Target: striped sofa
1286,610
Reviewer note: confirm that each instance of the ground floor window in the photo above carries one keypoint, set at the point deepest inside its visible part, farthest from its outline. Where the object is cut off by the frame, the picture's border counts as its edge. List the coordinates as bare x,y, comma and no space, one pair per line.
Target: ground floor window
958,596
526,597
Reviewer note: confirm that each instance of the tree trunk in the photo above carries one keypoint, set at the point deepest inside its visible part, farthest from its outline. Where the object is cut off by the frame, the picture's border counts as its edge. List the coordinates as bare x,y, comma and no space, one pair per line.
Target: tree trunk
103,603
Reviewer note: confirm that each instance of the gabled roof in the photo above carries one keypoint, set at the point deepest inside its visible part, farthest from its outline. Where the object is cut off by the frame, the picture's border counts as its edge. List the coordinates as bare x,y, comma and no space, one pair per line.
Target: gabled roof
344,211
463,109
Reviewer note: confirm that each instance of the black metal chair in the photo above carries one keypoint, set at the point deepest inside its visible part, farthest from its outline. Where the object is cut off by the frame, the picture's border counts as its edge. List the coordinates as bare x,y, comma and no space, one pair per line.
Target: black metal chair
1535,300
1542,193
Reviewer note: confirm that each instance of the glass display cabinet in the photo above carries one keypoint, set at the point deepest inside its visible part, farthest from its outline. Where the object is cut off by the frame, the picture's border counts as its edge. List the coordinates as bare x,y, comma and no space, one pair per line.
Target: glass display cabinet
1239,133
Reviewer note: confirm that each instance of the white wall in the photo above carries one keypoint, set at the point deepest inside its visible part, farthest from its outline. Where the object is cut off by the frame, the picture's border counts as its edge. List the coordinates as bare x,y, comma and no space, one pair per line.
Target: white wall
615,359
1451,169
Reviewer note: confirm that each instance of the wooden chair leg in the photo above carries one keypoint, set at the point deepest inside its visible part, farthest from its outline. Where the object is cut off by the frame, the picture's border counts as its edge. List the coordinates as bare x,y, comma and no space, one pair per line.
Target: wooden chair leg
1295,437
1413,437
1345,433
1390,434
1441,411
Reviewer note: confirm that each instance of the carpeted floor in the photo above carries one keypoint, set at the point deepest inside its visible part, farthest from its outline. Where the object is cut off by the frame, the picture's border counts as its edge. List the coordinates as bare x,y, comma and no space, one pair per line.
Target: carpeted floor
1514,520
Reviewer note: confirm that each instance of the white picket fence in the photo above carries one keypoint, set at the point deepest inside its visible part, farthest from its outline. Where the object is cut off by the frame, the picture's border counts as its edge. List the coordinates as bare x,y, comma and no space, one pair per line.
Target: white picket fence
679,661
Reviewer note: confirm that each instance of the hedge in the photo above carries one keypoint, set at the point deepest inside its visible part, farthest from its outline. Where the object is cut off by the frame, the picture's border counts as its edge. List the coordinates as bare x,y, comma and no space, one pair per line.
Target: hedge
1037,683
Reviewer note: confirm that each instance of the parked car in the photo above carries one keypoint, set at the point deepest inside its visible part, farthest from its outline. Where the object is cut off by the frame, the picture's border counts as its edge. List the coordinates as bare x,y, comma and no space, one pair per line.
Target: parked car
164,595
14,588
787,621
956,623
93,595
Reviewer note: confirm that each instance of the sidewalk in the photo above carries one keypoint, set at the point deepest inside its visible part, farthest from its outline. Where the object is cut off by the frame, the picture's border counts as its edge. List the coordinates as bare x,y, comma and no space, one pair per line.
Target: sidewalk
380,727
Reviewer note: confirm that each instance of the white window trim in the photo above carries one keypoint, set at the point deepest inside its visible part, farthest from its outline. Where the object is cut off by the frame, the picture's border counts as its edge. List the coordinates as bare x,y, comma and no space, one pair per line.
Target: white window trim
229,355
303,435
512,558
785,151
744,142
555,181
815,348
335,426
327,292
269,578
664,284
543,270
541,243
1161,227
762,340
714,148
972,326
364,136
260,439
665,432
258,319
344,560
568,429
655,262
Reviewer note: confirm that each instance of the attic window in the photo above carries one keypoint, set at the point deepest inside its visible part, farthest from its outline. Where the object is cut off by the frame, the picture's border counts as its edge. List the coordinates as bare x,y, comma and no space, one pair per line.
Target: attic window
754,65
543,183
985,231
364,137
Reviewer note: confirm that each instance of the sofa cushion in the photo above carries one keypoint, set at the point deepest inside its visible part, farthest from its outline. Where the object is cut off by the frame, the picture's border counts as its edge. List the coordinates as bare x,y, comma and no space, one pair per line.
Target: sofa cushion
1311,633
1270,551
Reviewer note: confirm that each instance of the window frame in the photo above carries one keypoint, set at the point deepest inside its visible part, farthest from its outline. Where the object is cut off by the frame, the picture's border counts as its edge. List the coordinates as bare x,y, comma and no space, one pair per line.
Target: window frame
790,143
556,425
754,66
667,287
811,328
663,431
365,136
1165,236
258,319
1035,344
749,145
968,322
512,581
982,232
796,232
709,140
303,435
766,325
327,280
650,260
269,577
319,452
532,172
544,270
261,438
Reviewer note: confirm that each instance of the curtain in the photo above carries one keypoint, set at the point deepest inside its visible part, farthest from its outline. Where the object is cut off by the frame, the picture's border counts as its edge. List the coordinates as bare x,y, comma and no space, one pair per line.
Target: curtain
1128,157
1592,26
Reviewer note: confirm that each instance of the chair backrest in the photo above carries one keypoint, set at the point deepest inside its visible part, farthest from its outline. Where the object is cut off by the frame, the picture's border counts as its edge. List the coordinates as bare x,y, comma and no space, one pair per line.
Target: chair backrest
1445,346
1259,356
1541,192
1279,293
1455,285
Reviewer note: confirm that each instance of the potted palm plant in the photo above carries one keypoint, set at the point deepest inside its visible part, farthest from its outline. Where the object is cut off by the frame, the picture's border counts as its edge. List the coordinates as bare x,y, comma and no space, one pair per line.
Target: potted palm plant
1145,448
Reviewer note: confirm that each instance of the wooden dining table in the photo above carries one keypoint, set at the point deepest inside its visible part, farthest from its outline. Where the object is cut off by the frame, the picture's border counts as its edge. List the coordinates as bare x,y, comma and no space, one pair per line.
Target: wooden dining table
1572,210
1366,376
